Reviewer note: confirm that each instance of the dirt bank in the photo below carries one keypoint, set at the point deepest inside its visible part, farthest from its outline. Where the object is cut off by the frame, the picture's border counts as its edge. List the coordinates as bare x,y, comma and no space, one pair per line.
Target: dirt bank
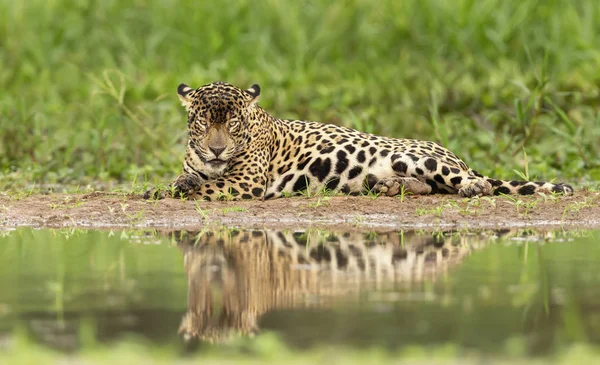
112,210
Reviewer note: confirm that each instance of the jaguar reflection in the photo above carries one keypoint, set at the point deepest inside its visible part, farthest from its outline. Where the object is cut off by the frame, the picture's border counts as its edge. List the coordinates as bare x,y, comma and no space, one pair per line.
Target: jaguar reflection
235,276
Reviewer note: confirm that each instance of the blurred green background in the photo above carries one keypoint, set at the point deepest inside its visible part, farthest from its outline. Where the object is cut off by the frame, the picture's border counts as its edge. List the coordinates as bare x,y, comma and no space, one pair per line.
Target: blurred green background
87,88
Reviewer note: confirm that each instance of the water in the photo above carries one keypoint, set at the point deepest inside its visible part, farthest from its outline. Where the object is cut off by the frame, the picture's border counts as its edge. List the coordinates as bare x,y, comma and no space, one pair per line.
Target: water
520,293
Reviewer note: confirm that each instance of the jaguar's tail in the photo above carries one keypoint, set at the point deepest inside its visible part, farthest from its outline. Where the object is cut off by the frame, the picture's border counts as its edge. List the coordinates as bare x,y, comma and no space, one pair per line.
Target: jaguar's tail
528,187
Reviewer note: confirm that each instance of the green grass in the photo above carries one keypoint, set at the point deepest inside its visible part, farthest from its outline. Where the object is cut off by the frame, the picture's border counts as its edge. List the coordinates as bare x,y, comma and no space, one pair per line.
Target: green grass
267,349
87,88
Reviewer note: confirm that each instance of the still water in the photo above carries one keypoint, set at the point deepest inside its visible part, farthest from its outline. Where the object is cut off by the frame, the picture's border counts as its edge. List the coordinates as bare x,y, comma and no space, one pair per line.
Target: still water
522,292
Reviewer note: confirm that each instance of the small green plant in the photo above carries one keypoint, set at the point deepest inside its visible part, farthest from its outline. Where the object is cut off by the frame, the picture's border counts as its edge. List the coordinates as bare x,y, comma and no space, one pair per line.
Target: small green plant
367,190
68,202
472,205
402,194
172,189
575,207
135,218
524,175
287,194
78,203
204,213
529,206
139,188
23,193
321,201
228,196
307,192
226,210
311,193
124,207
490,200
371,194
462,208
437,211
523,207
551,197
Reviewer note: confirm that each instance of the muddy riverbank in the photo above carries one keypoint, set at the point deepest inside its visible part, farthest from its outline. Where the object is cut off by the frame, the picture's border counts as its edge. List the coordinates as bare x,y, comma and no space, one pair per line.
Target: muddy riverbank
113,210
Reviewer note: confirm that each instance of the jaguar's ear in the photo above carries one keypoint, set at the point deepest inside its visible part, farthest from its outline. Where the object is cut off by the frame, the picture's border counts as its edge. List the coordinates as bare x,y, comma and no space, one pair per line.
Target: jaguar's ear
254,93
184,95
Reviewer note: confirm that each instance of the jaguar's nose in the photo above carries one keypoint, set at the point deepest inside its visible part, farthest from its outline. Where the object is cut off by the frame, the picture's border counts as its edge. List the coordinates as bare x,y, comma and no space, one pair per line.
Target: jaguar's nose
217,150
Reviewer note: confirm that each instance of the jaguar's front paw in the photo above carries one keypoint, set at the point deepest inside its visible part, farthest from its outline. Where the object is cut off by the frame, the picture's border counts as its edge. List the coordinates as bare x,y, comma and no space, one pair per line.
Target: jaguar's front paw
157,193
185,185
182,187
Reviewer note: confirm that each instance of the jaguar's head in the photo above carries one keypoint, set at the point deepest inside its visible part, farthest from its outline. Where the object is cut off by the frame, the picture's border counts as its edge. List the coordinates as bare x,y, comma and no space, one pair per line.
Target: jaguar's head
218,115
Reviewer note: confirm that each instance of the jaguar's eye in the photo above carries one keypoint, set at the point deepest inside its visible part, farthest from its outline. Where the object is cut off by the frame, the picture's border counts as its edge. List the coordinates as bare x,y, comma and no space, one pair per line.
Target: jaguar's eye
202,122
233,124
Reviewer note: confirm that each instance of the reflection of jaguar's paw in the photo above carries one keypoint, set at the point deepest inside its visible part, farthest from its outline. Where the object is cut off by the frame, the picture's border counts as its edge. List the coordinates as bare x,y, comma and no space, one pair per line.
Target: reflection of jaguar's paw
476,188
393,186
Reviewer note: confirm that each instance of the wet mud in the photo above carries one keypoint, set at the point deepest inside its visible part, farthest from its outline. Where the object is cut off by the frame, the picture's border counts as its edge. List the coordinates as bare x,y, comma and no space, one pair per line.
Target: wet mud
114,210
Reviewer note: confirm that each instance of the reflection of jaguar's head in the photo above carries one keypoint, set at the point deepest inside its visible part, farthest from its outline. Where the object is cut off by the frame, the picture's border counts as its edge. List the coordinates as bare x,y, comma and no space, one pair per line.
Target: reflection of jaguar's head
217,121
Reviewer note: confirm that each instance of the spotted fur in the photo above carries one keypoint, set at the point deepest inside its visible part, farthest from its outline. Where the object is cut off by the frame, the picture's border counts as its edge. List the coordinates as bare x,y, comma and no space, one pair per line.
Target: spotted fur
238,150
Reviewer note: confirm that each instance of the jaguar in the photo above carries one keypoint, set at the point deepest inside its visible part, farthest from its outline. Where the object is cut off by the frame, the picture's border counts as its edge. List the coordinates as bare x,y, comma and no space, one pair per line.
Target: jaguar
237,150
